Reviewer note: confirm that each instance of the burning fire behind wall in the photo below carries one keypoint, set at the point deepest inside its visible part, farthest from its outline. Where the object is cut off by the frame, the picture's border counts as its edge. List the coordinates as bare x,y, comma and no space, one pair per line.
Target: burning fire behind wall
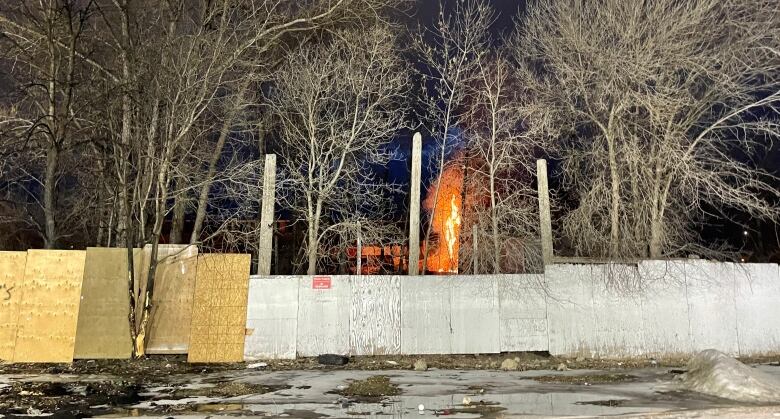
446,220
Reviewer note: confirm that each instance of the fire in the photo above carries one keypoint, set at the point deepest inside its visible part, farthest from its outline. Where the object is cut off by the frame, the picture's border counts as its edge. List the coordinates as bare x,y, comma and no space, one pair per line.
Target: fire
443,257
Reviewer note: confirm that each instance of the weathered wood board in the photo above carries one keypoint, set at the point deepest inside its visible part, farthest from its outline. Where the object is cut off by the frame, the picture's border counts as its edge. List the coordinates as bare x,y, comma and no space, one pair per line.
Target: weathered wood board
523,313
103,330
49,308
272,318
11,283
426,326
323,317
375,315
475,314
219,308
171,314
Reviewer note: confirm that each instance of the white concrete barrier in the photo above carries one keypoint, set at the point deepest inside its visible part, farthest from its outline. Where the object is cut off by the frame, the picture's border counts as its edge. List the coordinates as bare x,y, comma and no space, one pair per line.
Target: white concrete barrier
323,315
523,313
272,318
653,308
757,294
426,317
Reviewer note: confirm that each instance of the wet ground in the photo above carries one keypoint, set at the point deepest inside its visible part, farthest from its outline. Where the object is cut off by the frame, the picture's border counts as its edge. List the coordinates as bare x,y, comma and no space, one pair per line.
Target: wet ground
168,387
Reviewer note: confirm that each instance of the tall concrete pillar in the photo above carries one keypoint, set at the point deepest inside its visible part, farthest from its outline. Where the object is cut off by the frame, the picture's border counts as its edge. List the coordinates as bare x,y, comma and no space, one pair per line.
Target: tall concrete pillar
414,206
545,222
265,242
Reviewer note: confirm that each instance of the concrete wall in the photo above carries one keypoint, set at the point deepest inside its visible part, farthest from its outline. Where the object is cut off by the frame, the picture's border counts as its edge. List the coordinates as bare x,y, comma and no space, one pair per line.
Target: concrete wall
653,308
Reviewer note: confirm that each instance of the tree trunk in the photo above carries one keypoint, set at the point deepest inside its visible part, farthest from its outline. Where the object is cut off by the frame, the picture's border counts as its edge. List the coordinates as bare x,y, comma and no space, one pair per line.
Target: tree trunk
49,191
614,216
224,132
314,229
494,225
177,226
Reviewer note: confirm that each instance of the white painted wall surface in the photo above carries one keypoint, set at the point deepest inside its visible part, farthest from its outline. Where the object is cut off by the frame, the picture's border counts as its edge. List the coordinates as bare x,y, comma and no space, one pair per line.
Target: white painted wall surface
272,318
654,308
323,317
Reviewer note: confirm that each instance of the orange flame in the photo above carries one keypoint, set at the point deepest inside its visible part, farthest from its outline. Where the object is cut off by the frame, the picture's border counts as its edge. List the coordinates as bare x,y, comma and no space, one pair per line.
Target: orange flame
443,257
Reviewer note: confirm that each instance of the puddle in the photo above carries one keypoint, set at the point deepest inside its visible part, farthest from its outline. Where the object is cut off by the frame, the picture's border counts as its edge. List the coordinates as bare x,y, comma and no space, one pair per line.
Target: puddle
344,393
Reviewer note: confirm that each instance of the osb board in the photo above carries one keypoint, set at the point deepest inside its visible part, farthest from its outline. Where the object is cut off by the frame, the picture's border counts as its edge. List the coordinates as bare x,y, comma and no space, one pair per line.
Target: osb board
49,308
11,279
168,331
219,308
375,315
103,330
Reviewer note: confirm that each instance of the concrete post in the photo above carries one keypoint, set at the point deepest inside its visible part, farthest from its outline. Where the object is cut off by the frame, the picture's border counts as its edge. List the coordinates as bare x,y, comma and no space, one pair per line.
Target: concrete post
545,223
359,254
265,242
414,206
475,242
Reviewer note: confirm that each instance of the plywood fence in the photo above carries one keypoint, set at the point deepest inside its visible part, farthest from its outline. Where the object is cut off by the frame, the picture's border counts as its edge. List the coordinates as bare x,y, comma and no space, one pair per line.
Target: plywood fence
59,304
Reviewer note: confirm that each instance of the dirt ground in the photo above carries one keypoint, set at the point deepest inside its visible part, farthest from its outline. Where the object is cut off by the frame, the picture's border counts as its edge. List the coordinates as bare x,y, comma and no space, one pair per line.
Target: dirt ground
177,364
99,387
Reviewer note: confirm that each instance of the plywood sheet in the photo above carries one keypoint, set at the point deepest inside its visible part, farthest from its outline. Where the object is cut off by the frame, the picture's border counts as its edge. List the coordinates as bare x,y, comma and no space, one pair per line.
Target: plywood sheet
426,315
323,317
375,315
219,308
523,313
475,314
103,330
11,283
272,318
171,313
49,309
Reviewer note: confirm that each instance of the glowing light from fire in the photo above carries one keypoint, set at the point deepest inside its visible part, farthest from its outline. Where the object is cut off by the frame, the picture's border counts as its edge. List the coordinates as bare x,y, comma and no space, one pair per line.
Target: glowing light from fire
443,256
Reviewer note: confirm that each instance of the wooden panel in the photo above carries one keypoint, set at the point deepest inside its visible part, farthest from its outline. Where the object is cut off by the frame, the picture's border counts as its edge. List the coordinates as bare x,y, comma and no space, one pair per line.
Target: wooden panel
272,318
11,284
49,309
375,315
426,315
219,308
103,330
323,317
171,314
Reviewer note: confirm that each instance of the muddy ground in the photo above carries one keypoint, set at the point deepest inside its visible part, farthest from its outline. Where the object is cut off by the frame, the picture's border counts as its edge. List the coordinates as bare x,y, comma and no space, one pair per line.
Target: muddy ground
168,385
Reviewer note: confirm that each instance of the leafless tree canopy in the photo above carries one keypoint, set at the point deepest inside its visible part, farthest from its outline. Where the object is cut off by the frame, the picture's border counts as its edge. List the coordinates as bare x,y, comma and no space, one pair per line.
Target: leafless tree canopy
133,122
339,105
658,108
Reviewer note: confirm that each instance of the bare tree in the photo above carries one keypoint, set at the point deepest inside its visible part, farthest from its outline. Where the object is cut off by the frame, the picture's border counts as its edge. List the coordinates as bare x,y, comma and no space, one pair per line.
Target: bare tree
450,55
338,106
500,201
658,108
52,115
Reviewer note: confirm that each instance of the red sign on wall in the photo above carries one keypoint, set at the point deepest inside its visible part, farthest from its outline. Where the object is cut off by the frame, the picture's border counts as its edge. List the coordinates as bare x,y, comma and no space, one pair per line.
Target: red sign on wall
320,283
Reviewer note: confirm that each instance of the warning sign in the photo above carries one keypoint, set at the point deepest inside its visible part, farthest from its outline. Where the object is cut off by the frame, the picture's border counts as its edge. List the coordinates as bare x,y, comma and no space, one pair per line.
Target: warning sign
321,283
